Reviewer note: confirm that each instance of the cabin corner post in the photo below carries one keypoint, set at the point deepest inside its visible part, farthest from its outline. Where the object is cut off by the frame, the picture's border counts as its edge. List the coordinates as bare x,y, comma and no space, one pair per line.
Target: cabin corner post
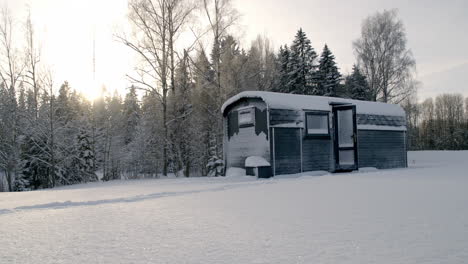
355,138
331,124
405,138
273,151
225,135
301,142
270,138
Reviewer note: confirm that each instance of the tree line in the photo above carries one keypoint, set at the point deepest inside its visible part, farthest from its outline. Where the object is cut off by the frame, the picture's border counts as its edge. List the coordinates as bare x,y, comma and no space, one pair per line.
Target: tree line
169,120
437,124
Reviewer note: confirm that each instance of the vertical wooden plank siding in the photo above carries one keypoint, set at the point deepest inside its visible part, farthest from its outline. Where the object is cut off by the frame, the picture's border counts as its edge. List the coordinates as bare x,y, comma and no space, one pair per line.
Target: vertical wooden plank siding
381,149
316,154
287,150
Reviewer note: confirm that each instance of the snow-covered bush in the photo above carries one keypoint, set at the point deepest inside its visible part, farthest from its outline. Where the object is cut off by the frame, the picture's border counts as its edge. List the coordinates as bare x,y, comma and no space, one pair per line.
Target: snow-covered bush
215,166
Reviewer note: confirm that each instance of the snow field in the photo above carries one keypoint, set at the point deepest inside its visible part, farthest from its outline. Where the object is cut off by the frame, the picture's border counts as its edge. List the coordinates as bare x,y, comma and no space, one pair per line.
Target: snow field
414,215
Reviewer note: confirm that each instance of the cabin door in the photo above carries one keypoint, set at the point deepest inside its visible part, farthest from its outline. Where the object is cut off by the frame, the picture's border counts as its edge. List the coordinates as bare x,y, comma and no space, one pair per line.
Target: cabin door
345,138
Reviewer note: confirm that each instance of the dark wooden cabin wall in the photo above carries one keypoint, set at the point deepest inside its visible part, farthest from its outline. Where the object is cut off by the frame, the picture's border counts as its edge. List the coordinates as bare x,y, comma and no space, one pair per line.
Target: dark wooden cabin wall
381,149
283,116
316,154
316,151
376,148
242,142
287,150
380,120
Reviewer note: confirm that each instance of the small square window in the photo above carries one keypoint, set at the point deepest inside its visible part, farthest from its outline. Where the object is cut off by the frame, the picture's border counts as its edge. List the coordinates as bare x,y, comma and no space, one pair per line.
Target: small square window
246,117
317,124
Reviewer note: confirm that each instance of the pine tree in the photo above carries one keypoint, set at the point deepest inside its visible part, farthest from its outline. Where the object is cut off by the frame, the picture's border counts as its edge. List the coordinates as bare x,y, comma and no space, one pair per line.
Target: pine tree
260,70
113,138
148,144
328,75
183,125
232,67
9,147
301,66
32,164
63,110
86,155
99,119
283,65
131,115
251,70
356,86
31,105
206,107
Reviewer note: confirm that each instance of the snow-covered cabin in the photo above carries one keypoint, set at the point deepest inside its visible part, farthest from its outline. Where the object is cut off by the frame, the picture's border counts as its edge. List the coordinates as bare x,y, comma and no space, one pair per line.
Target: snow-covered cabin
297,133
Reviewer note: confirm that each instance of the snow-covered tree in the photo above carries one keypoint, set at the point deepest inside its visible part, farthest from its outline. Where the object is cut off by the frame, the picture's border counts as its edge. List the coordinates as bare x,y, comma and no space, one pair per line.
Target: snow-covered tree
232,68
113,139
131,115
328,76
356,86
206,107
283,65
85,157
182,124
147,147
11,71
261,69
302,65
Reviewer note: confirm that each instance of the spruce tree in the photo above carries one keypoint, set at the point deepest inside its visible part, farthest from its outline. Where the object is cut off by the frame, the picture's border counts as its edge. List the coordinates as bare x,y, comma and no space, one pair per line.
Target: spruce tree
85,157
301,66
328,75
146,147
183,125
233,64
63,111
206,105
283,65
113,138
33,170
131,115
357,87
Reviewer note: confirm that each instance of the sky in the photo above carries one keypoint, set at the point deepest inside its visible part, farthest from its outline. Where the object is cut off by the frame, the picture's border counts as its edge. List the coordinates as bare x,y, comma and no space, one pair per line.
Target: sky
436,32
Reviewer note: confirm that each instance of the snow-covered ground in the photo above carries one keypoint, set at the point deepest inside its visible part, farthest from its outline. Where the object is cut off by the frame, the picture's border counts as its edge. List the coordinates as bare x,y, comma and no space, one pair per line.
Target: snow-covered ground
414,215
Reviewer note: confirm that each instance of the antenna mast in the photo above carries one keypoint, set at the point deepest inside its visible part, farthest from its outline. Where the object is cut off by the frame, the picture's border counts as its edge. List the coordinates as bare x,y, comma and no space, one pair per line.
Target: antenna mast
94,54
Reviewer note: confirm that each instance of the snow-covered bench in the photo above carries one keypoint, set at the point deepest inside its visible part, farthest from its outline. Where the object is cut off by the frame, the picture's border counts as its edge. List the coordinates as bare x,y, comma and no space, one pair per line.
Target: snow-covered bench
257,166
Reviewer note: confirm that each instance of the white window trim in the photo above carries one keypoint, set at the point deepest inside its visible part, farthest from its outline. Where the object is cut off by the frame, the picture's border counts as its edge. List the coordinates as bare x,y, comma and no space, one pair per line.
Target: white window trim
317,131
244,110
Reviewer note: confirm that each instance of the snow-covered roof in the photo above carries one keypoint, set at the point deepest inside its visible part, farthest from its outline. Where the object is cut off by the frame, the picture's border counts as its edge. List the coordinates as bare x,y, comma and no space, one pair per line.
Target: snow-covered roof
256,161
311,102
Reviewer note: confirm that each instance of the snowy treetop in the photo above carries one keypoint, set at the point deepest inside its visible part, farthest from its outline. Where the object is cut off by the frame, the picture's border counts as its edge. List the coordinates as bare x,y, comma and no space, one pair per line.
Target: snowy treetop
310,102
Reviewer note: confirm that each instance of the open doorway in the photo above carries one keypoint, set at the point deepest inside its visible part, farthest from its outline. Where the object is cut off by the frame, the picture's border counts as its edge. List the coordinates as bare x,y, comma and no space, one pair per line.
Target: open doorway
345,139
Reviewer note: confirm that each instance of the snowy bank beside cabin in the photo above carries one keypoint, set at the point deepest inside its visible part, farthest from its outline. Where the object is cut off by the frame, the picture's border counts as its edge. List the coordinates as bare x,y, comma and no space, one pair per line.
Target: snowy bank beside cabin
413,215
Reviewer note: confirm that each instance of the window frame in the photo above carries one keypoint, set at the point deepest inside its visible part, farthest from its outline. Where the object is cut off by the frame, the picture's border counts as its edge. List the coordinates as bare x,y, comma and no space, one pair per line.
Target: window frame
317,135
244,110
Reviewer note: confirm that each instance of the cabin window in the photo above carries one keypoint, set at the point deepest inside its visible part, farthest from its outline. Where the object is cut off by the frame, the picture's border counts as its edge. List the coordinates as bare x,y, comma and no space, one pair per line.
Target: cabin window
317,124
246,117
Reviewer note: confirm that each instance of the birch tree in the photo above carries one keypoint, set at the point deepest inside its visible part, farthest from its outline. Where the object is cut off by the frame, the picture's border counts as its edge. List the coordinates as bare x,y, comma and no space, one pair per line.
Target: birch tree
221,17
156,25
33,55
384,58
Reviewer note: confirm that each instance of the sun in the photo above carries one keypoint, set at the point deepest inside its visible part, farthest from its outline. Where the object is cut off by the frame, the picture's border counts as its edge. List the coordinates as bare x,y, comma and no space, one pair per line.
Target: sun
91,90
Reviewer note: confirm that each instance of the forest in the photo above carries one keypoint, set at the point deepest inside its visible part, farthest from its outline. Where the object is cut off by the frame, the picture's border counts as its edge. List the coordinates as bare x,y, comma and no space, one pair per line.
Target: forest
168,121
